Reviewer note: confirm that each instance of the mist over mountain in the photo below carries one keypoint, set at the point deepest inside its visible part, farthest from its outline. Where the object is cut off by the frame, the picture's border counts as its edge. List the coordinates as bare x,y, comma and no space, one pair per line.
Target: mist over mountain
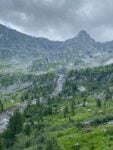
43,54
56,75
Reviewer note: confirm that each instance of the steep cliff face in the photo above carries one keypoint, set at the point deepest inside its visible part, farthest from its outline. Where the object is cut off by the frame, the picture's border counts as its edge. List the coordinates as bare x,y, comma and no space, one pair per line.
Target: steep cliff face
79,51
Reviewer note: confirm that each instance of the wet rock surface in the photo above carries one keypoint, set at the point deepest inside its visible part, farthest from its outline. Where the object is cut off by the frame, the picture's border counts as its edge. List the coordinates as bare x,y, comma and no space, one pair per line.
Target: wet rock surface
59,85
6,115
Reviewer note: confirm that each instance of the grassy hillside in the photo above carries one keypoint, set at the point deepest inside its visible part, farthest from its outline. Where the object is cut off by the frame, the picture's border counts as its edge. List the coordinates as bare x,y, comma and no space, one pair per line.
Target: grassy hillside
91,81
79,118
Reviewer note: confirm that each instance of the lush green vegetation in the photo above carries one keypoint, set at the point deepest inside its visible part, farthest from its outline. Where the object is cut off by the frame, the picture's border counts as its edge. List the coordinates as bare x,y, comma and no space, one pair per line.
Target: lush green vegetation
79,118
94,81
40,86
62,125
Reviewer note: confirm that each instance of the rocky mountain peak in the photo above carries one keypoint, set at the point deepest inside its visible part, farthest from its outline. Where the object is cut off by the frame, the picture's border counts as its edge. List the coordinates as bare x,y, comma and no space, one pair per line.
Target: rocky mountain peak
83,36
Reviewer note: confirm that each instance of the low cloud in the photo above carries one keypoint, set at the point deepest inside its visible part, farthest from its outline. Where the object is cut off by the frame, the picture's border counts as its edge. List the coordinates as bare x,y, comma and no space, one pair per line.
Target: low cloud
59,20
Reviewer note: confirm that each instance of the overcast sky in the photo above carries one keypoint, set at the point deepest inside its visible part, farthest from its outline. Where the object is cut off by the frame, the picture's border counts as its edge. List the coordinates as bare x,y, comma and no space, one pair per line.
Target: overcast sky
59,19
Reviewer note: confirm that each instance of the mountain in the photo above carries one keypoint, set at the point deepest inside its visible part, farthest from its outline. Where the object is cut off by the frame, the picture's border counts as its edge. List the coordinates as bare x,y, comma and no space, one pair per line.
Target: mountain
82,37
43,54
82,41
18,42
41,109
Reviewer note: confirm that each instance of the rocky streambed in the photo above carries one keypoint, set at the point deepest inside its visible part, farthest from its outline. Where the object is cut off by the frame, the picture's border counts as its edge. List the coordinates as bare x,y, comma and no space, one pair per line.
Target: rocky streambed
6,115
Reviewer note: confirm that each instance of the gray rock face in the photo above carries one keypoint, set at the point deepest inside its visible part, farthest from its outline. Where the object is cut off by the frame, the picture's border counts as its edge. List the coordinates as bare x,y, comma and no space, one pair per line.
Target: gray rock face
81,50
6,115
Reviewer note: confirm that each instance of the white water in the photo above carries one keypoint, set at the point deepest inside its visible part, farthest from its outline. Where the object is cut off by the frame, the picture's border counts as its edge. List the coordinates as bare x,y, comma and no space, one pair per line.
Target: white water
5,116
59,85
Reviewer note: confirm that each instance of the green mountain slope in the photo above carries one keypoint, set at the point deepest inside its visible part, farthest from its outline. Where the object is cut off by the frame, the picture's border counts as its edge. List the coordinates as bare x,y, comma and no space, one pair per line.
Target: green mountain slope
79,118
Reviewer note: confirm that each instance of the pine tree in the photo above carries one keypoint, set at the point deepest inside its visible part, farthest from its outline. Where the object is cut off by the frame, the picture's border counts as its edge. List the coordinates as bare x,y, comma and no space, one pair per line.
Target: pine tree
1,106
98,103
